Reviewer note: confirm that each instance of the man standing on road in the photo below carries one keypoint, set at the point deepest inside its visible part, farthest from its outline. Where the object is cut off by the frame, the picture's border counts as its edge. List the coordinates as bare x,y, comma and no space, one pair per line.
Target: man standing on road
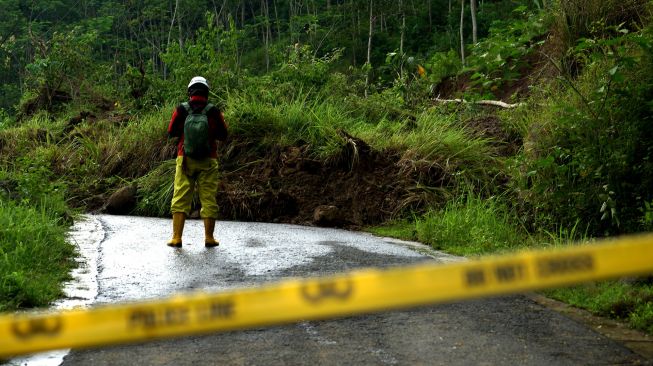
198,124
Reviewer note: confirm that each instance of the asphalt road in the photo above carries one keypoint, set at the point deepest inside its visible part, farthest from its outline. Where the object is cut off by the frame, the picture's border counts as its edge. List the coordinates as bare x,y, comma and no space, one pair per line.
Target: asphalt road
134,263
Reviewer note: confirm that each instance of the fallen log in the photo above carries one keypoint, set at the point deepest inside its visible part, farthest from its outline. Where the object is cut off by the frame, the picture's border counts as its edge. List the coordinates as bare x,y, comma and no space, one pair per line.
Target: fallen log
495,103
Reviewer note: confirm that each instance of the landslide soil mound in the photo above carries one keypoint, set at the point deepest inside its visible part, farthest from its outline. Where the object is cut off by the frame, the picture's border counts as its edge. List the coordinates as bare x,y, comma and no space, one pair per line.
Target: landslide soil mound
358,187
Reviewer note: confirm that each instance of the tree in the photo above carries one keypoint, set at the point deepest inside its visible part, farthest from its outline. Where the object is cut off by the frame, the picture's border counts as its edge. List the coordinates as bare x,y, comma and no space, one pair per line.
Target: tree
266,31
472,5
403,34
368,64
462,34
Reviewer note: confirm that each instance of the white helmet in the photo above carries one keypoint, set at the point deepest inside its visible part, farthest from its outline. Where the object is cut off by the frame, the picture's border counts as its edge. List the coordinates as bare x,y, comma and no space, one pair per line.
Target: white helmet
198,80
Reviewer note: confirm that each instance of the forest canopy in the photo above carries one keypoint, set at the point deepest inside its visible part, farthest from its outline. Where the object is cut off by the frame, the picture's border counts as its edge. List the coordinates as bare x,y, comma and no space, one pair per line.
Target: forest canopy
71,49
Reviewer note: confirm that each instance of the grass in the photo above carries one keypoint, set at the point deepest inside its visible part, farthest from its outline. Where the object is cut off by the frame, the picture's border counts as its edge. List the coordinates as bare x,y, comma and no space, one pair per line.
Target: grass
430,137
470,226
155,190
34,256
434,137
467,226
46,161
402,229
626,300
434,145
299,122
137,147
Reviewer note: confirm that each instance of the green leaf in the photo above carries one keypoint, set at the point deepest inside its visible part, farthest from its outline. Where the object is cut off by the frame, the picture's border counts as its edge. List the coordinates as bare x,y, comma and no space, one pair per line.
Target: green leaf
477,75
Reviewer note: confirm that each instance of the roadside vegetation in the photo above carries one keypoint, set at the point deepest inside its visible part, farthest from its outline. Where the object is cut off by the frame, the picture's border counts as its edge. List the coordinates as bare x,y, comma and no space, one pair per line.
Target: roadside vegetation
35,257
397,139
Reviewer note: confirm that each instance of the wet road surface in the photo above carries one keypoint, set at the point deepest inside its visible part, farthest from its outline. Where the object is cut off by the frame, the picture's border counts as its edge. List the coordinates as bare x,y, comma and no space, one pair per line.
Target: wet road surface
135,264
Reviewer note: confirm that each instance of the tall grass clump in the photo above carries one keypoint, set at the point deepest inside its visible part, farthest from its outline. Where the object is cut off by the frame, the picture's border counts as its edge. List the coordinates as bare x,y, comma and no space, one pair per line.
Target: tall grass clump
252,119
34,256
155,190
138,147
21,139
302,121
583,18
587,19
437,138
470,226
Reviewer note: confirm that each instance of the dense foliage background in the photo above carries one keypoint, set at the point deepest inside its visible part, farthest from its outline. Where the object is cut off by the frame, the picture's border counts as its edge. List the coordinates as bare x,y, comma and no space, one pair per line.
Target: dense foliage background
86,89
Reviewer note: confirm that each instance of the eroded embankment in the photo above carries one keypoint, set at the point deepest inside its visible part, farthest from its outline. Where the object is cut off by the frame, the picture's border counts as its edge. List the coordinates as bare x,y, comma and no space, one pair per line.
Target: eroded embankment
359,187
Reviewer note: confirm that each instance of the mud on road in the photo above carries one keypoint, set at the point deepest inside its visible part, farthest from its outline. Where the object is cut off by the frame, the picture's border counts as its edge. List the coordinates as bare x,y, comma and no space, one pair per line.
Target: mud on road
134,264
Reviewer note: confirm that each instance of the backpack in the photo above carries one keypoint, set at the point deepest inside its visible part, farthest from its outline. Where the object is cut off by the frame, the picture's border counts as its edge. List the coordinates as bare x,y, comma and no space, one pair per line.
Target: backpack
196,133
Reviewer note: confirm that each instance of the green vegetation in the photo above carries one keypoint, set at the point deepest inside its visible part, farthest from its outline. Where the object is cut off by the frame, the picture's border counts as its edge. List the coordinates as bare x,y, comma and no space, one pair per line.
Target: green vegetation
404,229
629,301
470,226
571,159
34,255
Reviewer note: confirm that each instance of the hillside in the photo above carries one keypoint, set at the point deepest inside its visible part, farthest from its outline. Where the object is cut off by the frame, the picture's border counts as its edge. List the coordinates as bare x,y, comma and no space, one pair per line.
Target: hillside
341,113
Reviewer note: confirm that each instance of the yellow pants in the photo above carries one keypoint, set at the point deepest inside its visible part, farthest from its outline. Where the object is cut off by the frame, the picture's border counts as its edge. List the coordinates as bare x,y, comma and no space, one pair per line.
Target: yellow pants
204,173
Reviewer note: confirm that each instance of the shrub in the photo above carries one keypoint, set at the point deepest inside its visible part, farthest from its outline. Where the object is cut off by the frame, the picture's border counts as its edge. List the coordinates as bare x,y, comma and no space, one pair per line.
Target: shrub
502,57
587,19
589,156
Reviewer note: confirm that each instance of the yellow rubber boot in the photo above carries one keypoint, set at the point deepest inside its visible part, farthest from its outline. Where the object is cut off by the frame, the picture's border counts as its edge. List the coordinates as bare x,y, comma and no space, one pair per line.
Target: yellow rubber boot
178,219
209,240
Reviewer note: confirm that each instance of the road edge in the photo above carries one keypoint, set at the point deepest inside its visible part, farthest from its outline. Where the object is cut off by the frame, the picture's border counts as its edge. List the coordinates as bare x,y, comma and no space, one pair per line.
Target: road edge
86,234
638,342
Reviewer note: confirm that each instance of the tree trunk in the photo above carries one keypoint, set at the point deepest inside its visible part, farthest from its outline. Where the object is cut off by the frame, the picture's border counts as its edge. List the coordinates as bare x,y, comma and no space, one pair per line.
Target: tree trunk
401,41
218,14
369,50
354,39
276,20
242,15
472,4
172,22
291,14
495,103
462,34
181,35
430,16
267,36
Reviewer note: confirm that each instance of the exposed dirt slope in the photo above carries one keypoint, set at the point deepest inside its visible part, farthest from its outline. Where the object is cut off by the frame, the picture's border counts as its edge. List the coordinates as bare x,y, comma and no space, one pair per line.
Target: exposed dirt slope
287,185
358,187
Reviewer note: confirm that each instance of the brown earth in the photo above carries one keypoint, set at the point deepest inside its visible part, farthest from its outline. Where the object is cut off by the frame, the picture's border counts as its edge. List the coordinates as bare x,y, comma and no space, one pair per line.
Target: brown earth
360,187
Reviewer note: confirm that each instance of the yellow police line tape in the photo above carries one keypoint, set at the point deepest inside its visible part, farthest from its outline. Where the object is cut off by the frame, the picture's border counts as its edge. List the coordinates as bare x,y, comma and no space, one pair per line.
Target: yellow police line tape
319,298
